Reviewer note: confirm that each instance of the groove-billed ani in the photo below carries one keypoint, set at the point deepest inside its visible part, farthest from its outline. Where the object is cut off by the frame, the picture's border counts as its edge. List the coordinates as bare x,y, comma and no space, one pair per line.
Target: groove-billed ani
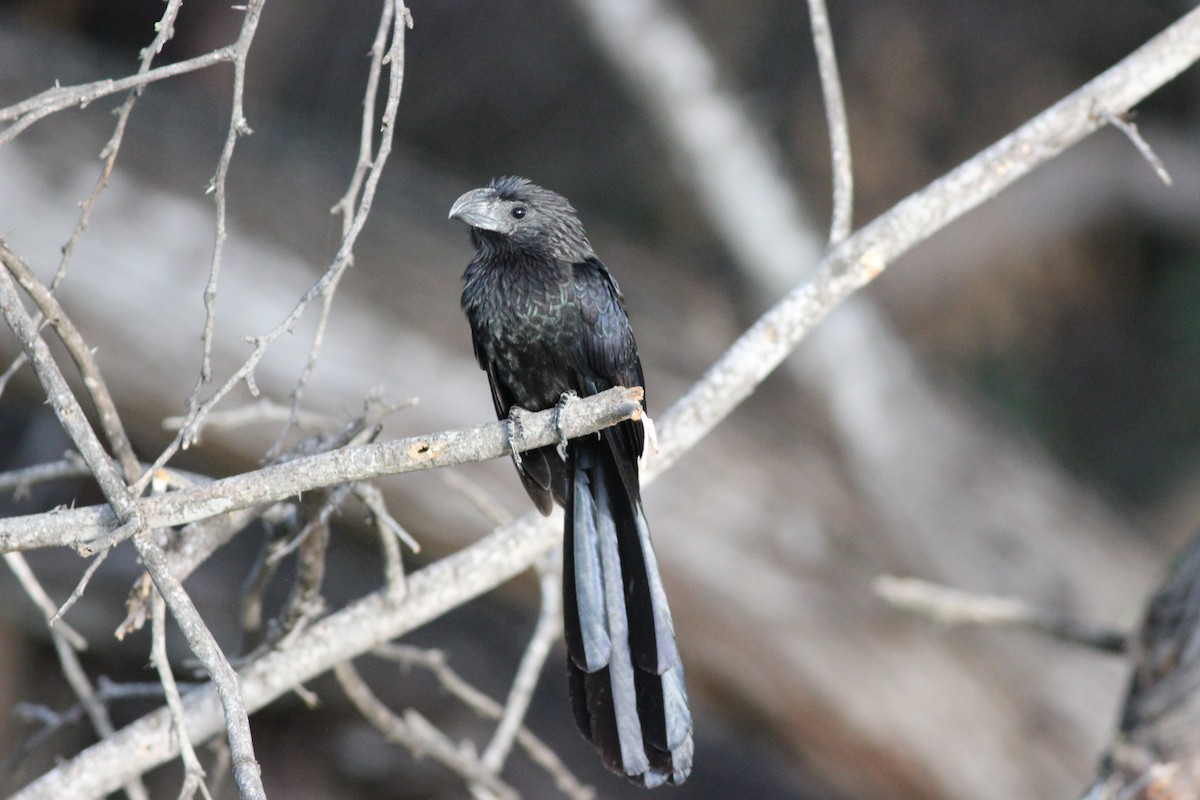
547,322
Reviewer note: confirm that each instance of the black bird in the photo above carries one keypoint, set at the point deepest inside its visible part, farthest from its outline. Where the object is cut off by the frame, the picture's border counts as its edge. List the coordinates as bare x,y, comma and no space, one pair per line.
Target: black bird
547,322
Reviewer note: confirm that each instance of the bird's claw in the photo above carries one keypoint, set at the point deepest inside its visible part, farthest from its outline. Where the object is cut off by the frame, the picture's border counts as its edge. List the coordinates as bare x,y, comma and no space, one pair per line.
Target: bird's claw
515,431
563,400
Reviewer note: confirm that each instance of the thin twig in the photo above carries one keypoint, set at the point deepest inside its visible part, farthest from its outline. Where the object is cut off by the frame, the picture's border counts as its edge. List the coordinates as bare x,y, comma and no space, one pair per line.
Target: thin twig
454,684
390,530
197,411
237,128
955,607
192,771
347,205
165,30
67,644
1127,127
81,585
66,407
62,400
33,587
417,735
713,141
20,480
59,98
839,129
82,355
545,634
246,771
330,504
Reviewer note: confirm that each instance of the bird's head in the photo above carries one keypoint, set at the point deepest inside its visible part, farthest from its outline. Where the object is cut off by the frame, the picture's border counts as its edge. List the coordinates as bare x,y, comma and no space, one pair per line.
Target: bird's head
516,213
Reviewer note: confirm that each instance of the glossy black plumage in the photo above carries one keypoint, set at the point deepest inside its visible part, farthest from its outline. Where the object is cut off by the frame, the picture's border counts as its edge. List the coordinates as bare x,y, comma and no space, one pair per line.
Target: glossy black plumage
547,319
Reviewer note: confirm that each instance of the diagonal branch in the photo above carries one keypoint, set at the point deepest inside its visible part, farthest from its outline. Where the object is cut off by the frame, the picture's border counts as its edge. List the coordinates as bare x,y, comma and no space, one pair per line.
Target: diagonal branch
59,98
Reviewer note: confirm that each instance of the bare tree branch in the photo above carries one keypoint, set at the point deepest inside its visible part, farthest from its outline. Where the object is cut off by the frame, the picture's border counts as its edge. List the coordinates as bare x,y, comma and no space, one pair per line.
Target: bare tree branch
70,415
955,607
67,644
537,750
418,735
85,528
835,115
1127,127
192,771
545,634
347,205
59,98
512,549
93,380
863,256
237,127
197,410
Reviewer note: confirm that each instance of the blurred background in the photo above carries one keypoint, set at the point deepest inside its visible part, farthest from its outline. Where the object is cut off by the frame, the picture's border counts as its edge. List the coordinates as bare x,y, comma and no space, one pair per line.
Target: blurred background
1009,409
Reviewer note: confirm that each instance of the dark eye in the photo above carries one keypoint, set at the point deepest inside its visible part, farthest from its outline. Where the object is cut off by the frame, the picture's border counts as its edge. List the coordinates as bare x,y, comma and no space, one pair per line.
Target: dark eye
519,212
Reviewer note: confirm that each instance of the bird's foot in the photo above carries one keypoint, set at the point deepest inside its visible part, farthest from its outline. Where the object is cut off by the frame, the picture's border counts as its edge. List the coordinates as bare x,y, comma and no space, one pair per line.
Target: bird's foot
563,400
515,431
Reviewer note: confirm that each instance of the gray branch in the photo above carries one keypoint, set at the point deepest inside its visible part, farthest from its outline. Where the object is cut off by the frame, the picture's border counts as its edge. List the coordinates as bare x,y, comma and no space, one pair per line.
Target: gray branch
77,527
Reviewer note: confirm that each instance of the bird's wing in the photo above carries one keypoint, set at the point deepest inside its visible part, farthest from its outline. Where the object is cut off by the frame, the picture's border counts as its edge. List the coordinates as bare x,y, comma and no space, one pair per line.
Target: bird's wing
608,351
534,466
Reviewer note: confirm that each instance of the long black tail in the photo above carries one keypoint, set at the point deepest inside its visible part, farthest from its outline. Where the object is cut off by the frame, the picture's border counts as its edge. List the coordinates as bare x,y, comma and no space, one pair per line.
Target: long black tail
626,678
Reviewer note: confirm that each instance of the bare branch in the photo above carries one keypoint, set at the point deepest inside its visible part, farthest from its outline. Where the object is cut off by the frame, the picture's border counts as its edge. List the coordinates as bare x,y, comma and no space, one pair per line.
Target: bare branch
545,634
81,586
81,354
166,30
192,771
839,129
89,528
416,734
62,400
390,530
955,607
125,508
67,643
670,69
237,127
246,771
19,480
537,750
365,162
863,257
59,98
33,587
197,411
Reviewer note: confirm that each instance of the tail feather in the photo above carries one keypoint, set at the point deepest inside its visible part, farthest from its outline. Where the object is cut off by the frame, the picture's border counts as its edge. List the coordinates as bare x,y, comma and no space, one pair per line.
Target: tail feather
626,678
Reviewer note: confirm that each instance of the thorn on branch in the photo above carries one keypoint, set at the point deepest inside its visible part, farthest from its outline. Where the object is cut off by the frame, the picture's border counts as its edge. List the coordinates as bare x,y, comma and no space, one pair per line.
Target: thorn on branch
1125,125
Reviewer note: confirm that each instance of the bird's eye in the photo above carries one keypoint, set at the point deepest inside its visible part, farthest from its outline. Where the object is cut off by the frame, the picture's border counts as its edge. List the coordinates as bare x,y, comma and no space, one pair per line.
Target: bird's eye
519,212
